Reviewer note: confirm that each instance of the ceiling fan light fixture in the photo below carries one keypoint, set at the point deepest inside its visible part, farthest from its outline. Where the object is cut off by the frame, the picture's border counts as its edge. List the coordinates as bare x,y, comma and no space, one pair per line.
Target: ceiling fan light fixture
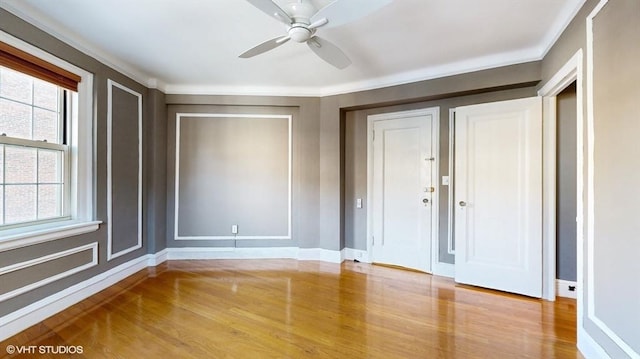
299,33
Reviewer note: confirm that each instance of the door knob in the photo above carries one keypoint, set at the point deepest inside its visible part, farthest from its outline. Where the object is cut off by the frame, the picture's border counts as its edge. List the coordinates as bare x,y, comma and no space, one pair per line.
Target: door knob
425,200
462,204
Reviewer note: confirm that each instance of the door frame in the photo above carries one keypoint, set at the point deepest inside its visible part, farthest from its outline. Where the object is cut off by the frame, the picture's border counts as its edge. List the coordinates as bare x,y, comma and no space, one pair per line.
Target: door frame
435,202
570,72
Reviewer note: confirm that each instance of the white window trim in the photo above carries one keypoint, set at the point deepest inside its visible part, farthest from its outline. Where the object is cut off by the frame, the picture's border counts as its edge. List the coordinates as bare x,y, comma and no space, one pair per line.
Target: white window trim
81,163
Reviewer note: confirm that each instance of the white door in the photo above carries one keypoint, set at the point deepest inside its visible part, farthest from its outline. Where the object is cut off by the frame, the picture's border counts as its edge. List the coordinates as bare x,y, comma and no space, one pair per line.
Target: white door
498,196
402,190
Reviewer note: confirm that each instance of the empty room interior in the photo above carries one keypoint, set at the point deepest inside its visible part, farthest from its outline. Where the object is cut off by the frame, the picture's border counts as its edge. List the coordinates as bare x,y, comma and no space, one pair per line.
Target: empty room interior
319,178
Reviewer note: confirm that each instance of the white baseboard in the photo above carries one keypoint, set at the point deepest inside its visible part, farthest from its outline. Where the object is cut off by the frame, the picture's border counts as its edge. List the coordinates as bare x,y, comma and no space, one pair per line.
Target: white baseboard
562,289
156,259
34,313
320,254
444,269
309,254
588,347
195,253
356,254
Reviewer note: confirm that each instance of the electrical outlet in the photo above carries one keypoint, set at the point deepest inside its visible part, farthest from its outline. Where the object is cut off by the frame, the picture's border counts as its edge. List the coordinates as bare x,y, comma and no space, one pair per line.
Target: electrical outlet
234,229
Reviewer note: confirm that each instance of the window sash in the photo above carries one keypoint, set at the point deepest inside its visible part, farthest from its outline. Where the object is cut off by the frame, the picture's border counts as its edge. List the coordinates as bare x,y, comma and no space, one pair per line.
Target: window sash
66,176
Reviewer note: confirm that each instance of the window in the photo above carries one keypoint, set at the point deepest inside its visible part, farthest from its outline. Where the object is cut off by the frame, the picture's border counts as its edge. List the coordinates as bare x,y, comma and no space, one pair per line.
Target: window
46,146
34,154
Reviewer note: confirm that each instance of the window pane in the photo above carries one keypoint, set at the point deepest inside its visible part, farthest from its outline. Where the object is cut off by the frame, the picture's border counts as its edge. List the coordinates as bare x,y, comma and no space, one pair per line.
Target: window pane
45,95
49,201
45,126
20,203
49,166
1,167
20,164
15,119
1,206
15,85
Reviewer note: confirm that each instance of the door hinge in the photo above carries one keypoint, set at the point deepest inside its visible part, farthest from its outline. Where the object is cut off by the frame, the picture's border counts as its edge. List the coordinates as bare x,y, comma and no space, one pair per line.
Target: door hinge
374,135
373,240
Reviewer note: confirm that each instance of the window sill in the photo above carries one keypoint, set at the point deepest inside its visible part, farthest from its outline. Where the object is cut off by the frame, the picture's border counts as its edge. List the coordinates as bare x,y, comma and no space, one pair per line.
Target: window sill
22,237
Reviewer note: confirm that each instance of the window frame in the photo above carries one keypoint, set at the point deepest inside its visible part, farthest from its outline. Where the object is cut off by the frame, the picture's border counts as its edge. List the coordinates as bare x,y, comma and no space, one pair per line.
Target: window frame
80,172
65,98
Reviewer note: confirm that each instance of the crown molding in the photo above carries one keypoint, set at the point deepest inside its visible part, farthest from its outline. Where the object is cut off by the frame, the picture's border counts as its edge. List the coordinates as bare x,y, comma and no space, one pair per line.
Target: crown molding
428,73
536,53
38,19
564,19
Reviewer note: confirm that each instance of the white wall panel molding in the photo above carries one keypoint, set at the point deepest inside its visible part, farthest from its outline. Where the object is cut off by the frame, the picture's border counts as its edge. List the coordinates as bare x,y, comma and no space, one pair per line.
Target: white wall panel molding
34,313
110,254
180,117
590,235
93,247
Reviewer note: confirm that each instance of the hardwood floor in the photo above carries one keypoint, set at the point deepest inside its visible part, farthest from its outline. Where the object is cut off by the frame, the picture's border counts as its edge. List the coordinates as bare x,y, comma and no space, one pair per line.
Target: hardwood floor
291,309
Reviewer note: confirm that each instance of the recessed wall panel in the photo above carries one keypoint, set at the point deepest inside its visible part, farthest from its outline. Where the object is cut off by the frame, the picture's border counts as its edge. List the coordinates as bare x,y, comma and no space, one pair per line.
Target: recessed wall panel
233,170
614,293
124,171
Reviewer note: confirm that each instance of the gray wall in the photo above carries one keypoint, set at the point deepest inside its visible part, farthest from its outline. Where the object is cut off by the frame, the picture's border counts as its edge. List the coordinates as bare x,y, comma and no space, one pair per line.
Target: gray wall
28,33
233,171
125,167
566,251
617,169
616,86
155,183
305,194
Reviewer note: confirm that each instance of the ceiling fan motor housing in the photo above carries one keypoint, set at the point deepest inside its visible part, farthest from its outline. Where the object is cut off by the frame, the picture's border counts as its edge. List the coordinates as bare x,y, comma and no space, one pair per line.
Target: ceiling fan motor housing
299,32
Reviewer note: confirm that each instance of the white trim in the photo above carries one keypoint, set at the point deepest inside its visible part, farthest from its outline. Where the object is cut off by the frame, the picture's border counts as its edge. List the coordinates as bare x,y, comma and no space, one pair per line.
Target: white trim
534,53
562,288
110,254
588,347
81,150
154,260
444,269
40,20
565,16
360,255
35,313
590,259
434,112
179,116
570,71
18,238
198,253
452,150
320,254
50,257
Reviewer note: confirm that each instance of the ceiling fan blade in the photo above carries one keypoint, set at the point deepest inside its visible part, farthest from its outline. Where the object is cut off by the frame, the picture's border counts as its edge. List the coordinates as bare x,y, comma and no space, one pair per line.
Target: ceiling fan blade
273,10
328,52
264,47
341,12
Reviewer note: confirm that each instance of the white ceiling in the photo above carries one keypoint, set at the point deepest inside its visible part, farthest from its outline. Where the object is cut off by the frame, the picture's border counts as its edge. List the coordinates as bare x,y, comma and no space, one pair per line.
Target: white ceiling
192,46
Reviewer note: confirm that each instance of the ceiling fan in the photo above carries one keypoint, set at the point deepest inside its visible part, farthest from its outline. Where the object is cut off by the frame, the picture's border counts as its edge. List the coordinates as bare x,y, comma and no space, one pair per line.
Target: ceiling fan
303,20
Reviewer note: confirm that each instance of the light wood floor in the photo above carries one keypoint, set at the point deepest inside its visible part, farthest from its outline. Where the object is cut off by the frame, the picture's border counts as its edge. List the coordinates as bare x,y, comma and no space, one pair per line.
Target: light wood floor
291,309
